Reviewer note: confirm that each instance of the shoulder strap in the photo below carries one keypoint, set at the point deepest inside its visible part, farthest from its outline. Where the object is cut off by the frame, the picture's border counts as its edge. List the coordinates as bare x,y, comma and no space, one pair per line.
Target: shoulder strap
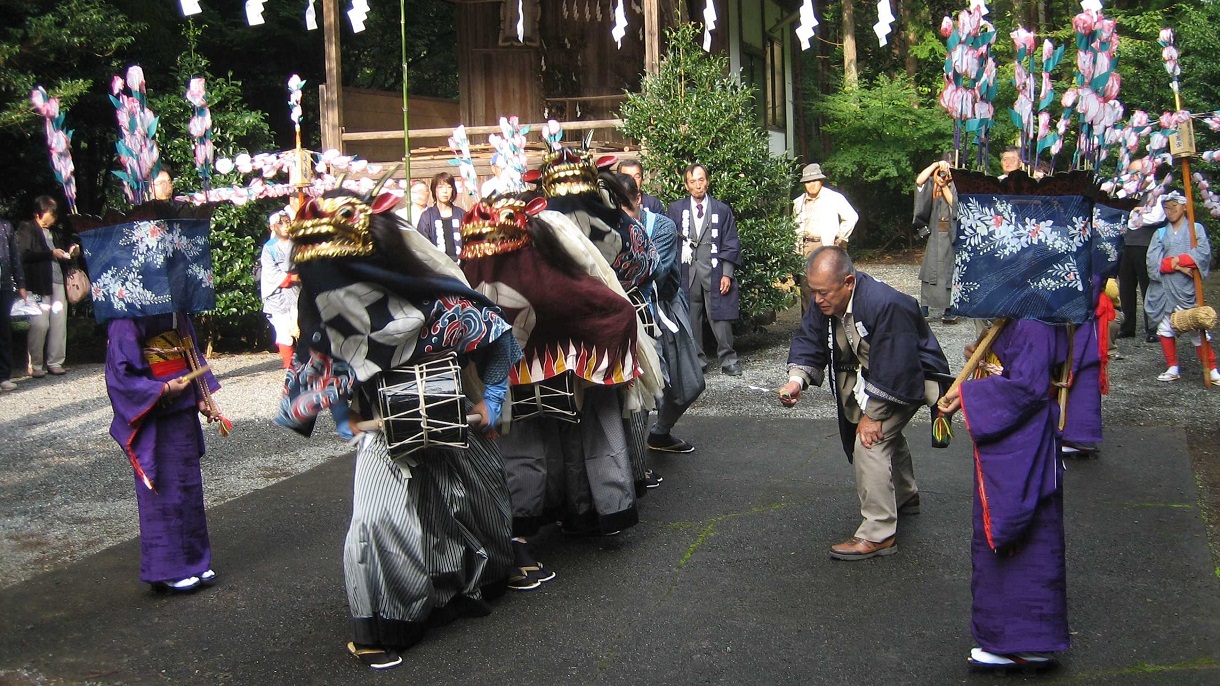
650,221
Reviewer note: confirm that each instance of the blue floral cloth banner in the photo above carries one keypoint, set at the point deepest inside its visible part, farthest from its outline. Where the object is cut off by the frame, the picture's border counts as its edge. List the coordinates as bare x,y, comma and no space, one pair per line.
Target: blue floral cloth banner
1109,225
1024,257
141,268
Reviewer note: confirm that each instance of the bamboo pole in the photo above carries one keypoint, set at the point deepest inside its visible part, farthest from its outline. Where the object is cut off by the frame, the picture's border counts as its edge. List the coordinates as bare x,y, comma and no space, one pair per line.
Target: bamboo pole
1187,185
976,358
406,133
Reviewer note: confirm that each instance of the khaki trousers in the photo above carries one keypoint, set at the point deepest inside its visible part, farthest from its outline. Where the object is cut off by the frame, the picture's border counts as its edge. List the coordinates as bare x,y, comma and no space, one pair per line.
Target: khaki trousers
885,477
47,339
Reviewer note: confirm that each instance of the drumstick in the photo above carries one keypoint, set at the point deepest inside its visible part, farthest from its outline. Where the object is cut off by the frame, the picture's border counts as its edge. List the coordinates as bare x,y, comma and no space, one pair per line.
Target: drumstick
191,376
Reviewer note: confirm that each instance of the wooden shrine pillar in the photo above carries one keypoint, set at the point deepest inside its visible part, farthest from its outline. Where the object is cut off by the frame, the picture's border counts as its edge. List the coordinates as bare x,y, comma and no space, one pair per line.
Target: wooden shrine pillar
331,116
652,36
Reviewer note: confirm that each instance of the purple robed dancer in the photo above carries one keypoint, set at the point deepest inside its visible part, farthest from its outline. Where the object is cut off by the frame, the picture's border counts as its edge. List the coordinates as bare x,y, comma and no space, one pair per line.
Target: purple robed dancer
1019,585
1082,422
155,423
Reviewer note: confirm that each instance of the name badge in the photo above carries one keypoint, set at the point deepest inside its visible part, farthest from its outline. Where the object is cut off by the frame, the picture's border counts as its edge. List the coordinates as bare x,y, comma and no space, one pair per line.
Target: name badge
715,218
861,330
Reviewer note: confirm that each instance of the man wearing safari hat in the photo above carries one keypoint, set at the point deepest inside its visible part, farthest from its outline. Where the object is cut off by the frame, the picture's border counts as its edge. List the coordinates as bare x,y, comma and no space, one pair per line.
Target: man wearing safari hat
823,217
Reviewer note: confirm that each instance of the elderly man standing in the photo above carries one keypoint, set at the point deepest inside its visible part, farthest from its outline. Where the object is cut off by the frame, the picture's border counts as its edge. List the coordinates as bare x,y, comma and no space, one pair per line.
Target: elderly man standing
823,217
882,351
711,252
1172,262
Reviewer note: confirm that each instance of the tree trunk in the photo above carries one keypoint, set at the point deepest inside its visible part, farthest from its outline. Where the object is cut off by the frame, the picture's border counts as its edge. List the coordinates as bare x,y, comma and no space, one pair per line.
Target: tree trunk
909,37
851,76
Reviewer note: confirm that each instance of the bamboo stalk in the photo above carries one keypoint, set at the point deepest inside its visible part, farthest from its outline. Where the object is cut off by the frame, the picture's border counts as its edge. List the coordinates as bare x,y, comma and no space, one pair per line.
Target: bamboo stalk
1194,242
1065,376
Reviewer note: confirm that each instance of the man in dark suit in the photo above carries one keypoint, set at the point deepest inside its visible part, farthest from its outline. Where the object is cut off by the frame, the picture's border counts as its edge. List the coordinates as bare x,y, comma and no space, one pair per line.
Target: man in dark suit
711,253
881,357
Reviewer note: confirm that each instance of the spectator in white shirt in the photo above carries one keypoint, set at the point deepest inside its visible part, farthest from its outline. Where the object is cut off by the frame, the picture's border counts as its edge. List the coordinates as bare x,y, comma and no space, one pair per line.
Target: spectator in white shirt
823,217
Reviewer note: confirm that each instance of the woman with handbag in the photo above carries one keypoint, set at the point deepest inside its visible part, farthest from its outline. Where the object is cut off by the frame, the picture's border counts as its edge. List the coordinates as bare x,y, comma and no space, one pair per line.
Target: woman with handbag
47,254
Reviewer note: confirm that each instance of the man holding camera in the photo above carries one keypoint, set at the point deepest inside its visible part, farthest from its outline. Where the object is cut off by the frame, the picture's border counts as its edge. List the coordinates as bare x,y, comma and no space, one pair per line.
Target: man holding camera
936,219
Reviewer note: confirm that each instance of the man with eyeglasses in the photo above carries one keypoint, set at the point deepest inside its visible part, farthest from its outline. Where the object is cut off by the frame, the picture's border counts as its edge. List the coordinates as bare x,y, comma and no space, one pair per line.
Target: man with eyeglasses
881,353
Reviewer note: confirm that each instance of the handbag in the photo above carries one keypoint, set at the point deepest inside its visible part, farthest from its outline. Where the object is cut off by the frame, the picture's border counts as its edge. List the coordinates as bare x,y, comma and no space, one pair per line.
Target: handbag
76,285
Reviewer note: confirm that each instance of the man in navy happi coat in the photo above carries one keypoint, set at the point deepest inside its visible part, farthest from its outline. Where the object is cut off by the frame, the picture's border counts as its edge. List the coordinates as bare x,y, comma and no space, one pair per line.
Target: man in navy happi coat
711,252
881,350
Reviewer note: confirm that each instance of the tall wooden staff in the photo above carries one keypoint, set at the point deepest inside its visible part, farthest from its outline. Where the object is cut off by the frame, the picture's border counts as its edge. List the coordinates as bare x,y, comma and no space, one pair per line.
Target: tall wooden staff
1182,146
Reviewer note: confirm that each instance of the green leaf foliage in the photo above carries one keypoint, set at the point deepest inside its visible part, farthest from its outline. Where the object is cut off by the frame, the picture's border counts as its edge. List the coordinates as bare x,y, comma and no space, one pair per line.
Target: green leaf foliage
693,111
237,232
70,47
883,133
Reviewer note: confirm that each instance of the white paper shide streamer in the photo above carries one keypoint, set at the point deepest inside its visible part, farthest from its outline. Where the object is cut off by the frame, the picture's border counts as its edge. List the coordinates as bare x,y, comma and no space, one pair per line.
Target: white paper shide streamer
311,17
620,24
190,7
885,18
357,14
809,22
254,12
709,24
521,21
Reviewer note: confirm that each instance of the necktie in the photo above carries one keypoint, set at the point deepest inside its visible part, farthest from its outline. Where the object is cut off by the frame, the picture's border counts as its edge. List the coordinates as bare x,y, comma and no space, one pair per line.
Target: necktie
699,210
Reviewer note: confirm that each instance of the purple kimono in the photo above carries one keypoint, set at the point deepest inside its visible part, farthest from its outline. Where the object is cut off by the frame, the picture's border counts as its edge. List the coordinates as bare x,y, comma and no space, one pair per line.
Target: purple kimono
164,442
1082,423
1019,583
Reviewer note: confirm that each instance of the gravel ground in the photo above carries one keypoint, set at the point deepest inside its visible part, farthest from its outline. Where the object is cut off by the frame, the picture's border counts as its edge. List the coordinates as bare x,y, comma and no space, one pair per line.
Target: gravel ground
66,489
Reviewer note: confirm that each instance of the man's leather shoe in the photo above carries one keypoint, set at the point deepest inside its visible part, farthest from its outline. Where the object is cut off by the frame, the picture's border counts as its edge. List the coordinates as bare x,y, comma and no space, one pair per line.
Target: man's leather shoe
856,548
1152,338
910,507
733,369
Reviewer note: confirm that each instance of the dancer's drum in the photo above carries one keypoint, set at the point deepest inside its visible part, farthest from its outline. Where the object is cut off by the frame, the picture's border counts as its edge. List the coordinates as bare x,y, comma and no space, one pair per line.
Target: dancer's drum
422,406
554,397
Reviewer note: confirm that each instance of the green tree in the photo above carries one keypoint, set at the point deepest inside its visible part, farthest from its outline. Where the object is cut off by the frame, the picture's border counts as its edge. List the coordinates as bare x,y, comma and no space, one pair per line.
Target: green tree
237,232
691,111
883,135
70,47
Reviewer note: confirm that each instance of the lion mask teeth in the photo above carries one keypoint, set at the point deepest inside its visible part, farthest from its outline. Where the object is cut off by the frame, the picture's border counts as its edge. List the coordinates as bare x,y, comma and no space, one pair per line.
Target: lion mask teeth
329,228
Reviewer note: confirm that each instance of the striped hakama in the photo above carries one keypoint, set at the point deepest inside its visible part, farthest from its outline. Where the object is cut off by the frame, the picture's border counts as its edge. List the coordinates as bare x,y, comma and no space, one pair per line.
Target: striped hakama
427,543
577,474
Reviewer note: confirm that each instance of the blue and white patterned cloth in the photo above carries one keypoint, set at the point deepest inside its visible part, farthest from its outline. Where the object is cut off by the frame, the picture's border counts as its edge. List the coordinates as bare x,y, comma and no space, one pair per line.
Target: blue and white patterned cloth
1024,257
1109,225
144,268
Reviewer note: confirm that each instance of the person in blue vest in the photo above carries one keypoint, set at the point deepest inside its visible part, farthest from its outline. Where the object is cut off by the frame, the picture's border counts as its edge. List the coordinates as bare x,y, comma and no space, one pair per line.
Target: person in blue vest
711,253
